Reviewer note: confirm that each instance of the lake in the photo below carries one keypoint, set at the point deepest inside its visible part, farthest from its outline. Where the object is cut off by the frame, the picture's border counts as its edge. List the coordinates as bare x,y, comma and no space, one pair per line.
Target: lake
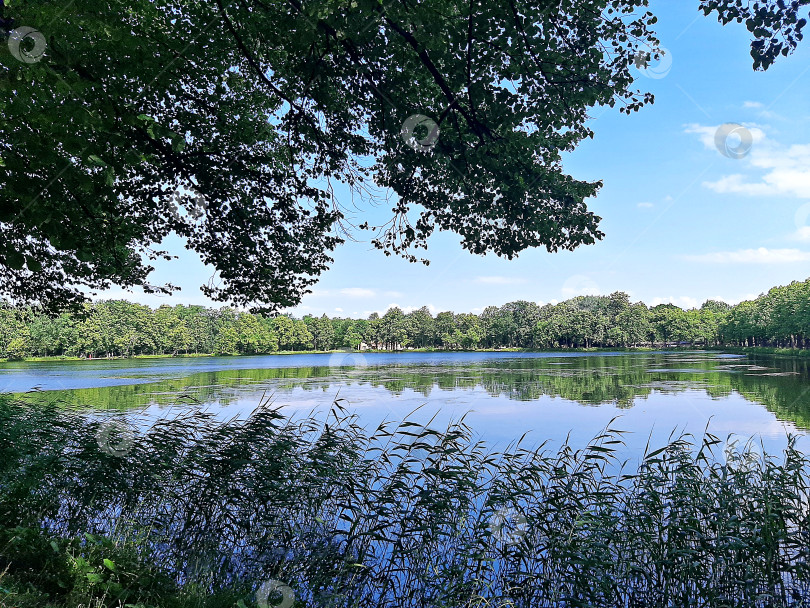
502,395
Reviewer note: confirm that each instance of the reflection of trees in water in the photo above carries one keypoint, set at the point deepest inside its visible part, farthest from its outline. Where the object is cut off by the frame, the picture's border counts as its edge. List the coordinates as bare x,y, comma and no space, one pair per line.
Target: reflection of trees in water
779,384
787,396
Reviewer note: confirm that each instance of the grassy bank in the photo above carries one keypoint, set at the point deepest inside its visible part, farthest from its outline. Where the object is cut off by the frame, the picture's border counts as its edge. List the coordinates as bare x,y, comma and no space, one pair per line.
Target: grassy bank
764,350
42,570
167,356
366,351
195,511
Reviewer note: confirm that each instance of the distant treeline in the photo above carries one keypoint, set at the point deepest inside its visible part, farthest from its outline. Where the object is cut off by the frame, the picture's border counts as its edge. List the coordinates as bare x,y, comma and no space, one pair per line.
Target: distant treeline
118,328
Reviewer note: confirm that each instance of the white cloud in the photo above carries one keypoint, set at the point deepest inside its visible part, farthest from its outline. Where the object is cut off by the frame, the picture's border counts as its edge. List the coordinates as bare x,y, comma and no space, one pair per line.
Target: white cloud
500,280
154,300
357,292
684,302
752,256
772,169
737,184
761,110
406,309
645,205
802,234
338,310
706,134
319,293
687,302
580,285
737,300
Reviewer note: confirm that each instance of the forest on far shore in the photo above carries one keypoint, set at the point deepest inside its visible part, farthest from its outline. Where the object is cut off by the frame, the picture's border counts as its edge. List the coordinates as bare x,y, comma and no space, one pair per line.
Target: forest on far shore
780,318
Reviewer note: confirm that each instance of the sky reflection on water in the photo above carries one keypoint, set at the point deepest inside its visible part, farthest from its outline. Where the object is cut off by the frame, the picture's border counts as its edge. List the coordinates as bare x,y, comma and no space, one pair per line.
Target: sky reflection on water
501,395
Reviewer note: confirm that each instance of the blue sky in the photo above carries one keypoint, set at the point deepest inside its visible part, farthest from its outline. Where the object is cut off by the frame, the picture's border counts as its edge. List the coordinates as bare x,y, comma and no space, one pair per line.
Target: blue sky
683,222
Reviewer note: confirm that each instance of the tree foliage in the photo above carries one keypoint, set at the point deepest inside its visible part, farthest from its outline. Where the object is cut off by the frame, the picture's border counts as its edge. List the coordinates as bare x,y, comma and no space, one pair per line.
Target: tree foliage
779,318
776,25
229,123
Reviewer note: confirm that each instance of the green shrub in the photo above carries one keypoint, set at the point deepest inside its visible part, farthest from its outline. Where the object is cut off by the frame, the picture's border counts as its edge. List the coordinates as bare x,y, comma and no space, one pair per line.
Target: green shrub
42,569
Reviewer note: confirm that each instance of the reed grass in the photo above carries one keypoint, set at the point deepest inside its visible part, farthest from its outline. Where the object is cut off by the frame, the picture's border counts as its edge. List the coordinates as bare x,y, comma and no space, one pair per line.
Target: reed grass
402,516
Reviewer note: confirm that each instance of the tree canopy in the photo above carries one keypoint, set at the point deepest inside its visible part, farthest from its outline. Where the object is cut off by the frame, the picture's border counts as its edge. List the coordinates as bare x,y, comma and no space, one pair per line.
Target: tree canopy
229,123
780,318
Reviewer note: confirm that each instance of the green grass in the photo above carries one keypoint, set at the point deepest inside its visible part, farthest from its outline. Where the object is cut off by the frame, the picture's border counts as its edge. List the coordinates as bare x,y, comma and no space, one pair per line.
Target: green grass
765,350
47,571
164,356
793,352
194,511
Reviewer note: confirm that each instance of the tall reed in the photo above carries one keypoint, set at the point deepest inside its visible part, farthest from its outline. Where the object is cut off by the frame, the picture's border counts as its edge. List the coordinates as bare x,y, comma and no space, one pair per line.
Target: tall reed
411,516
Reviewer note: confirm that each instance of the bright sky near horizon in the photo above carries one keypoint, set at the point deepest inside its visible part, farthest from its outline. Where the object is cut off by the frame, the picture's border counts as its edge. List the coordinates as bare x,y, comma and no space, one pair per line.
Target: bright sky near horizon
683,222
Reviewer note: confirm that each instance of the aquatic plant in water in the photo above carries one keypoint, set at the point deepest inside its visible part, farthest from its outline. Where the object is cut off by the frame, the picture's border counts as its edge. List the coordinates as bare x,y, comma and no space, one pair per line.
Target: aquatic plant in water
321,512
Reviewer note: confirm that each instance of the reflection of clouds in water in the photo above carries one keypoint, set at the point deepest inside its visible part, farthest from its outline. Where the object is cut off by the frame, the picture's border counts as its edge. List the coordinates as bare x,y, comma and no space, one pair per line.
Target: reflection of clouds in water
672,385
680,370
511,392
771,428
776,374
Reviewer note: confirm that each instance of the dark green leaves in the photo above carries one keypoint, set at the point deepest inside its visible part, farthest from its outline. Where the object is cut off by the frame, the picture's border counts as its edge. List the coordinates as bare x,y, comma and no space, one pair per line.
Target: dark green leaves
257,106
258,112
775,24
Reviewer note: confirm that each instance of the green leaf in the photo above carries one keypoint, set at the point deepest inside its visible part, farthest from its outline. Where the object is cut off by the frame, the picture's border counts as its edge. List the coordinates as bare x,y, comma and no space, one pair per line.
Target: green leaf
83,255
33,264
109,564
96,160
15,260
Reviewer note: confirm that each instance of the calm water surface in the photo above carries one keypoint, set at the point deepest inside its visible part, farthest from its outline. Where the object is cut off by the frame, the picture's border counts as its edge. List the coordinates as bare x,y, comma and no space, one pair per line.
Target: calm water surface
550,396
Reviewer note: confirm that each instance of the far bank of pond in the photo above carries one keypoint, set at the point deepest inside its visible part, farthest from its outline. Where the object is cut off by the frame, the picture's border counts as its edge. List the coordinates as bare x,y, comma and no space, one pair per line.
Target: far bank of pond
789,352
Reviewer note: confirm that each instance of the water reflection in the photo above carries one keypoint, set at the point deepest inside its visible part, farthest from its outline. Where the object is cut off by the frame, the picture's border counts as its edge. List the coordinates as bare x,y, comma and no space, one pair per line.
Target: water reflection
780,384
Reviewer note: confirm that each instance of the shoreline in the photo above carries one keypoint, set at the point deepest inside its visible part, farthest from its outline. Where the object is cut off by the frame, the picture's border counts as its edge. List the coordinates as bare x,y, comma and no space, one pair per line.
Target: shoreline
754,350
